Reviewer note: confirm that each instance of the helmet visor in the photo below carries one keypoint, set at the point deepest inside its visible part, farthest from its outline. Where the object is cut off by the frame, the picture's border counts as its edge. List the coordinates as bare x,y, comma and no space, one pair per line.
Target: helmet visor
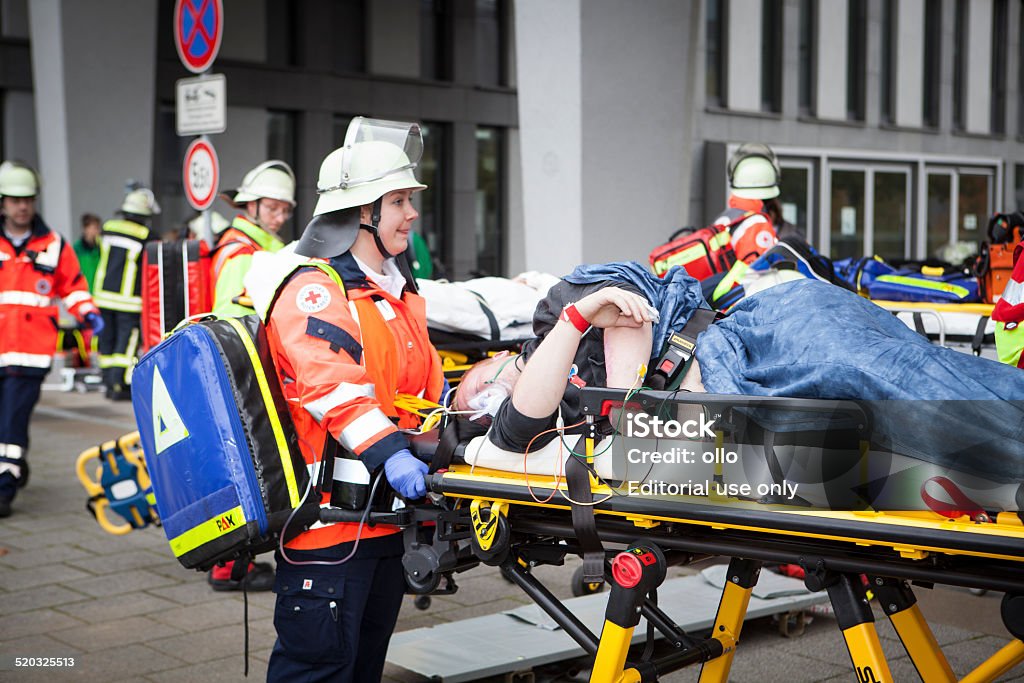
406,148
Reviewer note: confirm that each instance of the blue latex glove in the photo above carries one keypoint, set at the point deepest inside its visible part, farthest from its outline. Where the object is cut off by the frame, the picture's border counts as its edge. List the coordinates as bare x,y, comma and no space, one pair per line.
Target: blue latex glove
94,321
405,473
445,388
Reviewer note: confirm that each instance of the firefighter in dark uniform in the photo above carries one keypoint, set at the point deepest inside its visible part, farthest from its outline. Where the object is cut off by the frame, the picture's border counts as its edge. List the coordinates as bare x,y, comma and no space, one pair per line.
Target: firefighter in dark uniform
117,287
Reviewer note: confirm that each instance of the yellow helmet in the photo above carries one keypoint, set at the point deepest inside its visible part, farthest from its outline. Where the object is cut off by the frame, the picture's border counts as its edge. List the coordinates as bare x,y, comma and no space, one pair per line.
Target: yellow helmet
140,202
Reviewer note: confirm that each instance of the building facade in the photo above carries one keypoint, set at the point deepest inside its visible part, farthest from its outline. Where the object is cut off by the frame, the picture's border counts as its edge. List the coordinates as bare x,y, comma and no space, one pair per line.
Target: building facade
556,131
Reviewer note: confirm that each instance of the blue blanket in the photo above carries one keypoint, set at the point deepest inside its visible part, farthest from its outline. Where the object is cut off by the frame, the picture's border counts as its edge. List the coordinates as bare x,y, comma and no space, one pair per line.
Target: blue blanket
809,339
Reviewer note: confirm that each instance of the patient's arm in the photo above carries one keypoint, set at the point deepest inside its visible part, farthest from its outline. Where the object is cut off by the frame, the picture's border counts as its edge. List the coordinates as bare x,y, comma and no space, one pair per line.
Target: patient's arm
539,389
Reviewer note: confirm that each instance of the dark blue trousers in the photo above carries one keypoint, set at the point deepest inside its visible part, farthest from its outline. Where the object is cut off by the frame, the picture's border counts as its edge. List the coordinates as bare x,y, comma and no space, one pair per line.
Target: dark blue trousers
18,397
334,622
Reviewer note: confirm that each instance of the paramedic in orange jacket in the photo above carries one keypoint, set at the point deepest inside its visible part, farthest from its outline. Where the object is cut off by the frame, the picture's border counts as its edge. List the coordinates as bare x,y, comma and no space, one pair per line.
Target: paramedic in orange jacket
36,265
348,337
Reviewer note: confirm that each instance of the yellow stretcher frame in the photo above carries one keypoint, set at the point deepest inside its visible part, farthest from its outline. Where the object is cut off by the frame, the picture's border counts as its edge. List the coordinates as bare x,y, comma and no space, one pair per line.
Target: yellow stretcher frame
503,493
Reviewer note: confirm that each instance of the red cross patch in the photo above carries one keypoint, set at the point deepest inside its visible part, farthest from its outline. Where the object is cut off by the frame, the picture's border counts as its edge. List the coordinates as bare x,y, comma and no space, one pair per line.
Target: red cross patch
312,298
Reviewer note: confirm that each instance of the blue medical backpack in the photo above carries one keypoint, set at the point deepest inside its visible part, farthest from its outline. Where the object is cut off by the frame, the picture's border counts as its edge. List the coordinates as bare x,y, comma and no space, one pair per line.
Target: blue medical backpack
219,442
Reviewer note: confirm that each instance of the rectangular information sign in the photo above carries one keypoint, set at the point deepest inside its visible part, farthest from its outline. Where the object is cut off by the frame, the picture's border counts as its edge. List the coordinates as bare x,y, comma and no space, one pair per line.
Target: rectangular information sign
201,105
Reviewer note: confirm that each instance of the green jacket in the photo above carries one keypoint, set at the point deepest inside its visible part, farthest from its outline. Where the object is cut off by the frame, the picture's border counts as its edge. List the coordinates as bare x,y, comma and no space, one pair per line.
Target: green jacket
88,259
231,260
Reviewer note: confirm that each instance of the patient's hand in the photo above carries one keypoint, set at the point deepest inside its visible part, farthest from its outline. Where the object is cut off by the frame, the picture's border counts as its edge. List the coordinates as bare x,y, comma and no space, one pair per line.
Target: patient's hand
614,307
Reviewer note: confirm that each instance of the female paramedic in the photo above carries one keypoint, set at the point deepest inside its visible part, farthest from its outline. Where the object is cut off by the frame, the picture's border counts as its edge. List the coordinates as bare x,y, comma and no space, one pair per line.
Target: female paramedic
348,335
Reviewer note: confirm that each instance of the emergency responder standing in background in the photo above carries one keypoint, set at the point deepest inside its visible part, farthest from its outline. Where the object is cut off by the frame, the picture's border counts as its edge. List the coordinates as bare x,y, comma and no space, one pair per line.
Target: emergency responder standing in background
267,195
753,180
117,289
349,336
87,247
36,265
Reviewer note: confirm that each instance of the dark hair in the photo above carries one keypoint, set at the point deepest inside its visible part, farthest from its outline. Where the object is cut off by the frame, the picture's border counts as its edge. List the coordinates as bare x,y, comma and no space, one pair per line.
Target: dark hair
88,218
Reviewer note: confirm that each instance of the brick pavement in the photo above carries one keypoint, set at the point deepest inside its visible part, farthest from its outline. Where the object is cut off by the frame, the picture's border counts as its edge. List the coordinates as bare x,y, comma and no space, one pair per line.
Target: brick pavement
126,611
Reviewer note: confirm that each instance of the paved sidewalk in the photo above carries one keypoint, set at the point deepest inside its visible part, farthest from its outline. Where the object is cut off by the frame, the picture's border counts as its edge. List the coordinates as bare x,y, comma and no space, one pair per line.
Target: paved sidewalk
125,610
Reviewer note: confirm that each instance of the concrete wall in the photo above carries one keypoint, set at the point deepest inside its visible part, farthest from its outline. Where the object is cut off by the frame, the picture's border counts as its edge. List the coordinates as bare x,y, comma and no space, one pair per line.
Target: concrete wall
95,95
978,53
743,59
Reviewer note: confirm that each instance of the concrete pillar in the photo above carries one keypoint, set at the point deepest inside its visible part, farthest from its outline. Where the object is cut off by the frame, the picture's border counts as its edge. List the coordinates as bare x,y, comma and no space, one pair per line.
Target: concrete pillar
606,119
908,63
743,60
95,93
831,53
978,74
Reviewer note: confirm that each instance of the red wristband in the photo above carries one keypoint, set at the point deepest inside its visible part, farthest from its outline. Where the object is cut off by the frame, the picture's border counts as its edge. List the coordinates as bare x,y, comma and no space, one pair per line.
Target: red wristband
573,317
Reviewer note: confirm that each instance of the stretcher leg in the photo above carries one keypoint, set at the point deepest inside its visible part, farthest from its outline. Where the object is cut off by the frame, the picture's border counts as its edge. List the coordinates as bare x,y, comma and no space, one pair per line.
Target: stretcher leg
900,605
1009,656
853,613
732,610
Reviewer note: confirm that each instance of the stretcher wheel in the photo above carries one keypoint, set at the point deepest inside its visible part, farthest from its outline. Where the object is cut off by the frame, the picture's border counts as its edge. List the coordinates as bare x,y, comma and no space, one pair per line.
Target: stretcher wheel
421,602
581,587
423,585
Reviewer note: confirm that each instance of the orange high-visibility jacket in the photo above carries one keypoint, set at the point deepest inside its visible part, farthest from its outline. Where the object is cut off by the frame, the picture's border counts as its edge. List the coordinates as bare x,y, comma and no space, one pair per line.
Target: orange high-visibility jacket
343,355
755,235
30,277
231,260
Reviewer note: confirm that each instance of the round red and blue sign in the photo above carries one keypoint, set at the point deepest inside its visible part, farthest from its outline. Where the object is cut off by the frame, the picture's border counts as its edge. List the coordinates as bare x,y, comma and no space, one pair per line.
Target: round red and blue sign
198,27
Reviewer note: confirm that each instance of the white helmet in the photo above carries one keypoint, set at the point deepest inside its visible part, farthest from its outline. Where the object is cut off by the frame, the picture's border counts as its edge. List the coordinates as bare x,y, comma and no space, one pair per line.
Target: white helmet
378,157
217,223
18,180
140,202
754,172
272,179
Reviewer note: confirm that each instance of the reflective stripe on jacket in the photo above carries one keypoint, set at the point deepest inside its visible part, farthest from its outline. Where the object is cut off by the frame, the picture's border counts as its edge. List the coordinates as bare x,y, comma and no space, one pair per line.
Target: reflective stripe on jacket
1009,315
117,284
753,236
231,260
342,360
30,277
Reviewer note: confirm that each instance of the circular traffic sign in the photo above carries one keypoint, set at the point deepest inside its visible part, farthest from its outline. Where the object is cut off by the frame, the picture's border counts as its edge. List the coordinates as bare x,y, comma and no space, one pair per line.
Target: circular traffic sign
198,26
200,174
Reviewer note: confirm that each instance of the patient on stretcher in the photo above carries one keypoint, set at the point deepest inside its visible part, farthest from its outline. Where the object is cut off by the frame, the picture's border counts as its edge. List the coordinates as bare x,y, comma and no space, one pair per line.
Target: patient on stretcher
803,339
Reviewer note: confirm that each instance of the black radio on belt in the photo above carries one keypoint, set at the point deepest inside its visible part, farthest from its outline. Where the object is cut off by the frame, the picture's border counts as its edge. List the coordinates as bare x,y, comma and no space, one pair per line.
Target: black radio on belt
677,354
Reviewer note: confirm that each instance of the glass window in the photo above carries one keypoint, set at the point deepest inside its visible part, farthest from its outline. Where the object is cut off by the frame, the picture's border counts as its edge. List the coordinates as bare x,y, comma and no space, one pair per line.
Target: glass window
940,192
806,48
349,47
14,18
973,207
889,215
281,33
847,219
887,75
856,59
435,39
430,202
959,64
714,53
932,62
1000,12
771,55
489,201
1018,185
490,42
795,198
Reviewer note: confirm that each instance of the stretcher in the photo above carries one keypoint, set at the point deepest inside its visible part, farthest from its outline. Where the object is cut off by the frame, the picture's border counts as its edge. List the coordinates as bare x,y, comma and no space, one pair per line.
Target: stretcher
965,327
518,521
